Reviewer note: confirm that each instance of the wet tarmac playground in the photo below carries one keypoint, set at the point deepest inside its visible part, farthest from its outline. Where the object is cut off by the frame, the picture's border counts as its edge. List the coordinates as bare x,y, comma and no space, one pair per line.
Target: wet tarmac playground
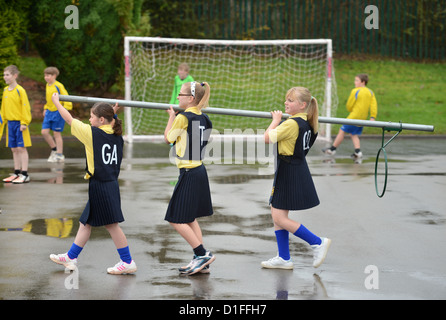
383,248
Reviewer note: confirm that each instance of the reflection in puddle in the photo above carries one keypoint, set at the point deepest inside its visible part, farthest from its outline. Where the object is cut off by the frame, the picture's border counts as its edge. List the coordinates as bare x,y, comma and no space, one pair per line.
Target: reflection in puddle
283,280
55,174
56,228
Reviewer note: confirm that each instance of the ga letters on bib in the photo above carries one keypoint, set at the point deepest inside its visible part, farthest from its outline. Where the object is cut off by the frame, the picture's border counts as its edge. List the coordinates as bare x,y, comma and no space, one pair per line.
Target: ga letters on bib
107,152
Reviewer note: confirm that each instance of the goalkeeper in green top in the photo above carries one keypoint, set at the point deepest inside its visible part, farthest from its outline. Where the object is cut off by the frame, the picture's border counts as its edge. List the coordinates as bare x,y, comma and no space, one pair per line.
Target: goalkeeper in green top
181,78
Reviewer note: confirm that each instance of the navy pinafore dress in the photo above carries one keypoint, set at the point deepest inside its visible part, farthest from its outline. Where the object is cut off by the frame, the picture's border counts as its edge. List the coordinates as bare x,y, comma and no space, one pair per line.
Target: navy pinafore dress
191,197
293,187
104,199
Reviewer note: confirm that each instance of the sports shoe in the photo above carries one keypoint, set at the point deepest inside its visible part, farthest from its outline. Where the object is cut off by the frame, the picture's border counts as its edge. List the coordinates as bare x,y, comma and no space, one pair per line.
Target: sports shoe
198,263
329,152
185,268
64,260
11,178
59,158
277,263
356,155
122,267
21,179
52,156
206,269
320,251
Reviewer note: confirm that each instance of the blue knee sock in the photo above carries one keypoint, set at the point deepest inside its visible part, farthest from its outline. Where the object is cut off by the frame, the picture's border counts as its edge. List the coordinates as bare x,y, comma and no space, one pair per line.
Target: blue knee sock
124,254
74,251
283,245
307,235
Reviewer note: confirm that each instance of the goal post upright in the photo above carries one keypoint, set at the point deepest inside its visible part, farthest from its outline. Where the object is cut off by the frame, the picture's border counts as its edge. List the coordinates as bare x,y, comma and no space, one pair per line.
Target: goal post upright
328,88
128,94
133,57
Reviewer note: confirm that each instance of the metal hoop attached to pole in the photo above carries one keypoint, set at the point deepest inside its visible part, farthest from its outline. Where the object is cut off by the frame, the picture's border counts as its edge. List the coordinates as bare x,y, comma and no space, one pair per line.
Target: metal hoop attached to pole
383,146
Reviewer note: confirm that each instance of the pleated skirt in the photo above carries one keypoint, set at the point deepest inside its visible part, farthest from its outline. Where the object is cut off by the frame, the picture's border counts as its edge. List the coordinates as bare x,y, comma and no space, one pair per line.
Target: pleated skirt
191,197
293,187
104,204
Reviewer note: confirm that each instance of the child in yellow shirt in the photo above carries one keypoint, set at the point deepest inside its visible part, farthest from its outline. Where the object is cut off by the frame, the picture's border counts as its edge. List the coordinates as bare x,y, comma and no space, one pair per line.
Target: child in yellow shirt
103,149
293,186
362,100
15,115
52,119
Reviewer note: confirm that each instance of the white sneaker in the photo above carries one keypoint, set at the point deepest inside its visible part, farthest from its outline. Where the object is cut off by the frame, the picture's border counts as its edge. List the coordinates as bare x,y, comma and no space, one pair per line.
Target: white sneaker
59,158
198,263
11,178
21,179
52,156
356,155
64,260
122,267
328,151
277,263
320,251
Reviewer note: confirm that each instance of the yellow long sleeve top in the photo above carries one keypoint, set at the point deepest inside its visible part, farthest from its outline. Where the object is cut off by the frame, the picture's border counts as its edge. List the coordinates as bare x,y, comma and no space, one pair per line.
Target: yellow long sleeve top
60,89
360,102
15,105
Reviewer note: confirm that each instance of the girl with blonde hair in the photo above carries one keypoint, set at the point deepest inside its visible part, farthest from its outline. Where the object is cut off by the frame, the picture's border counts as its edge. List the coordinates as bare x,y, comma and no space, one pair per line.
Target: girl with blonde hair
293,187
189,133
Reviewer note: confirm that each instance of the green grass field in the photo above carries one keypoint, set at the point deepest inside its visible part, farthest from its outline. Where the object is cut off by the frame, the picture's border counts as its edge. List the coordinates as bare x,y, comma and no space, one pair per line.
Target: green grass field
410,92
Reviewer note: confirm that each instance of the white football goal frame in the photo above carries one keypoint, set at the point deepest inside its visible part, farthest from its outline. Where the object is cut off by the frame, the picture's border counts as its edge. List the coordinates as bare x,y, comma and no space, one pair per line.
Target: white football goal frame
330,85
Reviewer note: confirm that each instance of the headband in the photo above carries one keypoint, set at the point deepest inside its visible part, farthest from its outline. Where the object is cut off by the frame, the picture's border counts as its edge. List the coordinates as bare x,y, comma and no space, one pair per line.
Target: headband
192,88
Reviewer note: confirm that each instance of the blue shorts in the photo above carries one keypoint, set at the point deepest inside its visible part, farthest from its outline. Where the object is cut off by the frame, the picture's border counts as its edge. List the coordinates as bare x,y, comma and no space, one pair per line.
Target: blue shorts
53,120
352,129
15,136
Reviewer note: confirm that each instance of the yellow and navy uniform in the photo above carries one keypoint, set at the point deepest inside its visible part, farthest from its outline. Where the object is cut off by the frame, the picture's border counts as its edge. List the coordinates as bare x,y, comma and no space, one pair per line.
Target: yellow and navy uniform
104,155
181,134
360,102
191,197
285,134
84,133
59,88
16,107
293,187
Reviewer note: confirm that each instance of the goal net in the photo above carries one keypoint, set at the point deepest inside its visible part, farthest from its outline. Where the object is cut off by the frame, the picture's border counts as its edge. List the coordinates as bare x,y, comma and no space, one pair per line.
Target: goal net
247,75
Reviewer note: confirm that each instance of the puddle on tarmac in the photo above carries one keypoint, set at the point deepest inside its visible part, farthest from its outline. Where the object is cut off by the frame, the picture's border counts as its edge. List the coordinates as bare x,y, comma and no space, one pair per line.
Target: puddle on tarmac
56,228
427,217
55,173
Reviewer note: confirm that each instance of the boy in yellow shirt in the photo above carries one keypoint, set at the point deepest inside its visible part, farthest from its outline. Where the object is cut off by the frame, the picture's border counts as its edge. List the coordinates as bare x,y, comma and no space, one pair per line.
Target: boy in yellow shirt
362,100
15,115
52,119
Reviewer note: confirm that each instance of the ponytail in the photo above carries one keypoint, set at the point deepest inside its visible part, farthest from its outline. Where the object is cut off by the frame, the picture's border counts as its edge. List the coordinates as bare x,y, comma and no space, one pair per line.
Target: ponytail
117,126
313,114
102,109
203,102
201,92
